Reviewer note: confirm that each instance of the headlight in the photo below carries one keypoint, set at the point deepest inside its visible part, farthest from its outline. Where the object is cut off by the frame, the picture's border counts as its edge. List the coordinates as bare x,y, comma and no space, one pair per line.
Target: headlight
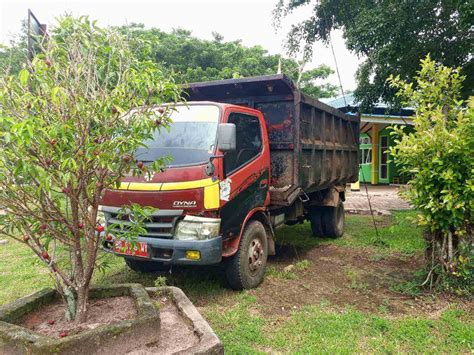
197,228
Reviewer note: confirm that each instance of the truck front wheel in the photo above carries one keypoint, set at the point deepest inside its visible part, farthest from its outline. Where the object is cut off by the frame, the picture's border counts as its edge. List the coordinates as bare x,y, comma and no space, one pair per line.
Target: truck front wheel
145,266
246,268
333,221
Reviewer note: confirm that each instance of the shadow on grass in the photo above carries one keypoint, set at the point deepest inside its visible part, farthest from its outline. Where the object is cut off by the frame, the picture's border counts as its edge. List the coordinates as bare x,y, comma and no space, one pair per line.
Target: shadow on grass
292,243
198,282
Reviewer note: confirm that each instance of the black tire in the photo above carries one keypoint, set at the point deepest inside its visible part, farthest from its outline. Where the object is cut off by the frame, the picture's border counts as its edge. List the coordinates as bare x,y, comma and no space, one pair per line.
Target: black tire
244,271
145,266
315,217
333,221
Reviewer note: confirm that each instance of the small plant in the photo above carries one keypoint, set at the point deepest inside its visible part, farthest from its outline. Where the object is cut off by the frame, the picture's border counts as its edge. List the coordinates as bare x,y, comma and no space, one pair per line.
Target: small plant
302,265
161,281
411,287
384,307
378,257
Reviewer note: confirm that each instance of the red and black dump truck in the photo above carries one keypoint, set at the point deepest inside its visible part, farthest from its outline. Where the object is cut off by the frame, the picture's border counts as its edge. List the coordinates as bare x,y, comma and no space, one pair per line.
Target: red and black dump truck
248,155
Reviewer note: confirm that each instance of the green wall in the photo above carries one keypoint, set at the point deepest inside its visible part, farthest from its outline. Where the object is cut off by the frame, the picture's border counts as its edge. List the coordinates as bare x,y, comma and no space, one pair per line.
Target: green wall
393,174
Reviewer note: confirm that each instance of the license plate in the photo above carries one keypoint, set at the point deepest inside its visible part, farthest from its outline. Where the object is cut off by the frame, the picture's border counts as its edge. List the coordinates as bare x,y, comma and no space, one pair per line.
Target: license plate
129,248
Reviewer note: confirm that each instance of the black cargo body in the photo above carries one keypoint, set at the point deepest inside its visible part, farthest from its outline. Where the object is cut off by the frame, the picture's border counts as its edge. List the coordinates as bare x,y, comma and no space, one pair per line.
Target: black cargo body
313,146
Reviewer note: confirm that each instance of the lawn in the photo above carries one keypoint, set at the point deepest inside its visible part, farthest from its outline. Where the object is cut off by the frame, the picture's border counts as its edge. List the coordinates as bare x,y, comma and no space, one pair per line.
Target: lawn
319,296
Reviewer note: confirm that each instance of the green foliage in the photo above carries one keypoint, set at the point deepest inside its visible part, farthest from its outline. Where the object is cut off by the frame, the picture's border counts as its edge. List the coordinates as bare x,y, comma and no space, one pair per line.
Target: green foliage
392,35
161,281
438,154
189,59
70,123
192,60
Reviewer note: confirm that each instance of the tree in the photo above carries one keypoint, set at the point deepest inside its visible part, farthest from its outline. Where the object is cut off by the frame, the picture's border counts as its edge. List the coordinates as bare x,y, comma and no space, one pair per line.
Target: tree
70,123
392,35
439,156
192,59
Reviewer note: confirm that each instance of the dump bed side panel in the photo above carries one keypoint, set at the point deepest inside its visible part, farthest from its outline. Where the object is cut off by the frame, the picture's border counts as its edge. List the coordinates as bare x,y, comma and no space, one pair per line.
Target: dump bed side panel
328,152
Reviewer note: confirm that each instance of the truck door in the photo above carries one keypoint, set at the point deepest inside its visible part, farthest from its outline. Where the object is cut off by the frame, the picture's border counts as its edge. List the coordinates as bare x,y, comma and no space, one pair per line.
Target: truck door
245,171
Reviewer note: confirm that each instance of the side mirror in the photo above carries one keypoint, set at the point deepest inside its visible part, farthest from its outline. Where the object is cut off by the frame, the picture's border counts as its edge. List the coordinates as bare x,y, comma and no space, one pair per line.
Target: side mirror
226,137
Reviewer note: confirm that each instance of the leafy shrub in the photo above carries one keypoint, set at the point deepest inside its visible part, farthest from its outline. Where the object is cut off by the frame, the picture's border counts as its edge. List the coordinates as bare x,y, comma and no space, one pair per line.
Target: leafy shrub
439,156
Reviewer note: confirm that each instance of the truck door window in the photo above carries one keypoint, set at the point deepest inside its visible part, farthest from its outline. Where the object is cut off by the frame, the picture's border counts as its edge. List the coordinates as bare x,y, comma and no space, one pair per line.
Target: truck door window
249,141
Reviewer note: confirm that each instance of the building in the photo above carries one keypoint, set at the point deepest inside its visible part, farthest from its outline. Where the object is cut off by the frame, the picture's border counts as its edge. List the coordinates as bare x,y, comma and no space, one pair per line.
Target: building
376,167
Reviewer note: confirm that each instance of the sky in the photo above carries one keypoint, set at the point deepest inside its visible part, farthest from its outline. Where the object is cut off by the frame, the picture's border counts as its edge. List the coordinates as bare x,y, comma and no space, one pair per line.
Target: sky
247,20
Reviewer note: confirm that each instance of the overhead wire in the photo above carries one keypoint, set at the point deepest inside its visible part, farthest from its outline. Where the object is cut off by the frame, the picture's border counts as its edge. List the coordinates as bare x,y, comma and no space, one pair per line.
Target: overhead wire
378,240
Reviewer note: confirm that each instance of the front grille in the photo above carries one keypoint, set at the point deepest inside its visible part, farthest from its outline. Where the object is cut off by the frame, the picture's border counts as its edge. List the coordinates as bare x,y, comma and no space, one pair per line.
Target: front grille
162,223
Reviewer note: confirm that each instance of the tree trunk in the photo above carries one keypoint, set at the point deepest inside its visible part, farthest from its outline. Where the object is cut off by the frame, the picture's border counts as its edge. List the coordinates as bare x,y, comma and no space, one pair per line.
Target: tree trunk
82,299
440,254
71,305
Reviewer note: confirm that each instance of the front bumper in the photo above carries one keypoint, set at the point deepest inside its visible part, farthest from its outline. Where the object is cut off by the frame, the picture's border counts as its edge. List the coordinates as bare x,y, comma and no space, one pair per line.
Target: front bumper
159,239
170,251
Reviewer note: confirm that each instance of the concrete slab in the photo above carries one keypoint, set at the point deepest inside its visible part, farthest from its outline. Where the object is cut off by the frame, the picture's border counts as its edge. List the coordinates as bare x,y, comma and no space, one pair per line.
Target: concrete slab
207,340
383,199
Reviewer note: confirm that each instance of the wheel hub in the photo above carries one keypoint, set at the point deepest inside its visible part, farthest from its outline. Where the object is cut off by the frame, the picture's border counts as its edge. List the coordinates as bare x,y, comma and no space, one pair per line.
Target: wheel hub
255,255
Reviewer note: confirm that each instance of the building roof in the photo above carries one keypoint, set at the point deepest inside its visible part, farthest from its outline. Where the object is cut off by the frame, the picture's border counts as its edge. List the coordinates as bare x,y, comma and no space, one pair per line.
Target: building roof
380,111
341,102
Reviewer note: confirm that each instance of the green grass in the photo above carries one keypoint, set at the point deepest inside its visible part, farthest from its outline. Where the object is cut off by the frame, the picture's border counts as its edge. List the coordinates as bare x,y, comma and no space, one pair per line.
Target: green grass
355,279
273,271
20,272
244,326
320,329
397,233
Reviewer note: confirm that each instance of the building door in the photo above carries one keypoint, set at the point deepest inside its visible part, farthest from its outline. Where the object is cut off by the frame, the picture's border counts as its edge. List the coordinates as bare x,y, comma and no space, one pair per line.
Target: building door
365,163
383,158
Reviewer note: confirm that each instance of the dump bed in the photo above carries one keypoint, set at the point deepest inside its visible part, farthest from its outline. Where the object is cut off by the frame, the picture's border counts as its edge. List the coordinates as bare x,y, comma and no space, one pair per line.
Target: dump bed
313,146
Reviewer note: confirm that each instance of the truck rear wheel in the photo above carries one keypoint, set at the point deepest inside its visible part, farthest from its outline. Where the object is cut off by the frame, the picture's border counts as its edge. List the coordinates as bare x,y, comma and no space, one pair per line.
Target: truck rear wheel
315,217
246,268
145,266
333,221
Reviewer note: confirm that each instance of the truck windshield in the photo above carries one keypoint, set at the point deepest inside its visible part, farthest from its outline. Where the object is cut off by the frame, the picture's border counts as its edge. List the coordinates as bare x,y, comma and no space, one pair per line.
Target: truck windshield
190,139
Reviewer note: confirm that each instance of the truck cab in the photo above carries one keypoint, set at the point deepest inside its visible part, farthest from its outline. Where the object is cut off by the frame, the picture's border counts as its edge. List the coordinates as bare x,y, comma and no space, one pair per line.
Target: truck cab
216,182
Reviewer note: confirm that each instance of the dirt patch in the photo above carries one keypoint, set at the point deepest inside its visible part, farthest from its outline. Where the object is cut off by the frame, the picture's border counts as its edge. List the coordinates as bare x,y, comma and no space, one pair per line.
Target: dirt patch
49,320
345,277
177,333
340,277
